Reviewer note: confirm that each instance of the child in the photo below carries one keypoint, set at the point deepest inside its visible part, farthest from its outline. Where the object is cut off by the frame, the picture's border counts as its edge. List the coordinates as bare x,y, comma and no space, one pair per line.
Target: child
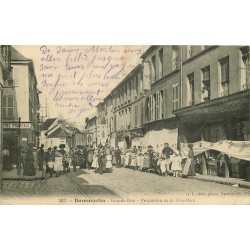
133,163
127,159
162,165
146,162
140,161
95,164
176,163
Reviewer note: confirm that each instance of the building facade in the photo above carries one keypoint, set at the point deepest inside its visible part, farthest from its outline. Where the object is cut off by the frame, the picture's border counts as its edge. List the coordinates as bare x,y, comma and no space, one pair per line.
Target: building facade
215,94
21,105
5,81
91,130
180,94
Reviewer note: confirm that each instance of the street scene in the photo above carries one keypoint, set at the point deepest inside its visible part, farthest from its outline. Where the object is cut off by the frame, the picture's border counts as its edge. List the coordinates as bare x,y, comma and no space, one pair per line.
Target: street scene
160,124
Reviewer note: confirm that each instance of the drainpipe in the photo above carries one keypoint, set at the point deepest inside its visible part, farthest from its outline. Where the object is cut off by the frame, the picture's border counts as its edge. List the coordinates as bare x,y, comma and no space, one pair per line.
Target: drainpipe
181,77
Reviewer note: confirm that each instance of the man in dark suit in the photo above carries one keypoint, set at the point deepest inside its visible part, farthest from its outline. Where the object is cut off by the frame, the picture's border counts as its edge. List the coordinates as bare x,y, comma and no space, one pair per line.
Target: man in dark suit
166,152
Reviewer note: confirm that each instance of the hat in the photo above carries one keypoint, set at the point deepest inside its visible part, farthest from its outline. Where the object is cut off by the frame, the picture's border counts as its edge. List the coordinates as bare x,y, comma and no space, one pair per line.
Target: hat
58,154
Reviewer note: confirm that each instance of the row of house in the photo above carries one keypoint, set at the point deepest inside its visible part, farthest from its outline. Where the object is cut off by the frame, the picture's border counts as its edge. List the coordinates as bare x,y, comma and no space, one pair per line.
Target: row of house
56,131
177,94
20,105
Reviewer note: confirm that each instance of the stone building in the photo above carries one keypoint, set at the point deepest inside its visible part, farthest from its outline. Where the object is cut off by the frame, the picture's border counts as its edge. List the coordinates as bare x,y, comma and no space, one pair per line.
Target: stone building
21,100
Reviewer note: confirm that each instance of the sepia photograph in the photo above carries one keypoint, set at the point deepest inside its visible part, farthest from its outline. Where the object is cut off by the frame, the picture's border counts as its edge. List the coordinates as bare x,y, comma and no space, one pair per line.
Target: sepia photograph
125,125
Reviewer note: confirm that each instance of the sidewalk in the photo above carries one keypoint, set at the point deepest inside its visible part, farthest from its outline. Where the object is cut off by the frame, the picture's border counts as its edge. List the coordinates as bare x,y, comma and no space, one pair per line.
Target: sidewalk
12,175
226,181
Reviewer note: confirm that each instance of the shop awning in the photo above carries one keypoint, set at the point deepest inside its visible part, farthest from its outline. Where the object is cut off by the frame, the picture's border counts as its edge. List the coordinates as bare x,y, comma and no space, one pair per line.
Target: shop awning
234,105
237,149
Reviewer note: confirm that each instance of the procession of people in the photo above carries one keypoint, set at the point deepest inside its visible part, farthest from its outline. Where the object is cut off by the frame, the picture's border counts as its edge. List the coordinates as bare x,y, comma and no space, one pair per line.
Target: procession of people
102,159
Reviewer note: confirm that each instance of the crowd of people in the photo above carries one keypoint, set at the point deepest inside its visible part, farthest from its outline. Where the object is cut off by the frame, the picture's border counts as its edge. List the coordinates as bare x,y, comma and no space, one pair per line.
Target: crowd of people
102,159
168,162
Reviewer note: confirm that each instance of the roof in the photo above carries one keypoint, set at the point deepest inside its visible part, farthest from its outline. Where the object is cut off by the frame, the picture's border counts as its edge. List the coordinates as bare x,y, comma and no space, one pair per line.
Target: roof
48,123
17,56
149,50
93,115
60,132
74,130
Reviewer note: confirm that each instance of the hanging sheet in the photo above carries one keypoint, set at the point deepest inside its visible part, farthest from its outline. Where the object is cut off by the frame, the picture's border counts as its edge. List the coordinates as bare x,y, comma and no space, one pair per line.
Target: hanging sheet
237,149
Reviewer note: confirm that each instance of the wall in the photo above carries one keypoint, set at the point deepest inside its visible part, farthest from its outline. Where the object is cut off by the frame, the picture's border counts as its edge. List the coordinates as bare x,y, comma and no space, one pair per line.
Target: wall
211,58
21,79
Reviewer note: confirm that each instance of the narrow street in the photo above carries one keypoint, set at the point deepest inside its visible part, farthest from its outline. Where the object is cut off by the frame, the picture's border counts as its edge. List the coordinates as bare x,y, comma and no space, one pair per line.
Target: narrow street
123,186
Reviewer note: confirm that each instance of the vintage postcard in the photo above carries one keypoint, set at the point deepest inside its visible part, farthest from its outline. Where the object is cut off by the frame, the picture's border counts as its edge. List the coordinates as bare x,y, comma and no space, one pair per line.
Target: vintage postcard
127,125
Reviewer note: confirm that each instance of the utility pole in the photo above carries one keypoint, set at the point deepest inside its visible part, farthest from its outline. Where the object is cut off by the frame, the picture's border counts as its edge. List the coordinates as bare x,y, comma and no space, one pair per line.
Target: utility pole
1,140
19,148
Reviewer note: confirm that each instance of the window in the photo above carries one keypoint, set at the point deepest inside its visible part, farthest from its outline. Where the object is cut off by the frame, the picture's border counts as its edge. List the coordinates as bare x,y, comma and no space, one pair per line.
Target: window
136,115
153,101
136,87
149,109
190,51
8,107
174,57
129,119
203,47
190,89
15,76
125,93
129,91
141,113
161,63
224,76
161,105
176,96
156,98
155,108
205,92
243,69
141,83
153,65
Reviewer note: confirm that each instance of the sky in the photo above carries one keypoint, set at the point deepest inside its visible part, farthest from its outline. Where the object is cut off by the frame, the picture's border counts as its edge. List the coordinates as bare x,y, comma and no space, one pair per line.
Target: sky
64,71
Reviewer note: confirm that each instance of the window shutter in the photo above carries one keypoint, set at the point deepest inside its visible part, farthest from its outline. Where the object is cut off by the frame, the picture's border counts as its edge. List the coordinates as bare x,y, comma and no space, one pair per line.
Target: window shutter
11,106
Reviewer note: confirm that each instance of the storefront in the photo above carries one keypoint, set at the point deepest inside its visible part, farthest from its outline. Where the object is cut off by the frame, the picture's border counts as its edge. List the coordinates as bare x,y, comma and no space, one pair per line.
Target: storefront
159,132
11,138
224,119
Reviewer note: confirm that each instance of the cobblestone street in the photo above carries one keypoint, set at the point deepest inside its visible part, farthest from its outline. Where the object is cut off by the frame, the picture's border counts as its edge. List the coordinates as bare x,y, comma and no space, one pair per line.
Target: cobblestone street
124,185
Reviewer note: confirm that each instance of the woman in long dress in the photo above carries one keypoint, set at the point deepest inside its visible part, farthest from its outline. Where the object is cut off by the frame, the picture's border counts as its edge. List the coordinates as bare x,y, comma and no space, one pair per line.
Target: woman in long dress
35,157
95,164
58,165
29,169
189,168
6,159
108,161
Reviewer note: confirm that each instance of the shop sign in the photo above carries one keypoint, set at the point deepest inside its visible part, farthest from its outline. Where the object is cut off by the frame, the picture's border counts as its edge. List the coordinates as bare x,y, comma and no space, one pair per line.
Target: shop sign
15,125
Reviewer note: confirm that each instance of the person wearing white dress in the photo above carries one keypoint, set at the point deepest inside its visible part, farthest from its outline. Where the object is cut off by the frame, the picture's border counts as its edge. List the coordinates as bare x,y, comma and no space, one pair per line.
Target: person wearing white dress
58,165
95,164
176,163
140,157
127,159
162,164
108,161
133,163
